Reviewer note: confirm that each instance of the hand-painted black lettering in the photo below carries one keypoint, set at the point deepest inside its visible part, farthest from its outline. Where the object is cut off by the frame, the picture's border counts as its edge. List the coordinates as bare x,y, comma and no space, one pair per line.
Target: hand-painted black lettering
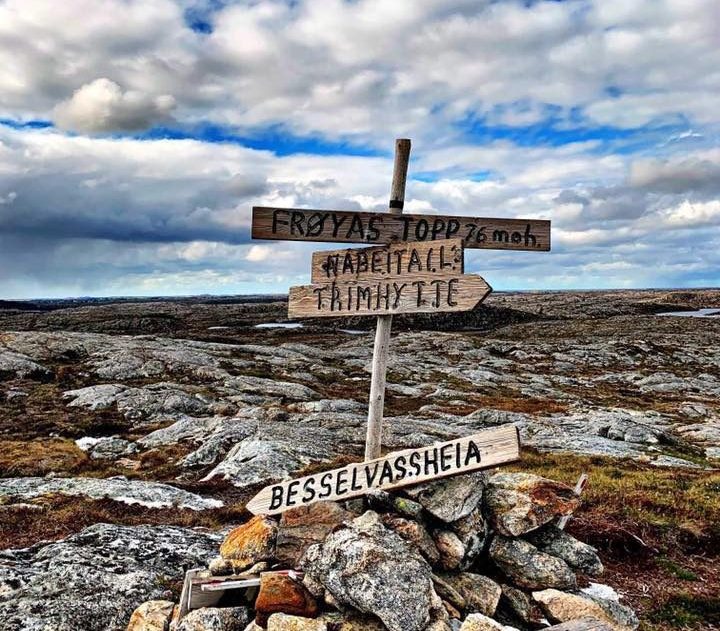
445,457
309,490
421,229
296,222
325,485
335,300
341,482
501,236
363,296
373,232
431,460
330,266
292,491
414,261
356,225
438,283
347,267
398,261
452,291
400,468
453,226
529,237
279,222
398,291
338,221
315,224
420,300
405,227
438,228
473,453
415,459
354,486
387,473
375,261
371,475
319,291
277,497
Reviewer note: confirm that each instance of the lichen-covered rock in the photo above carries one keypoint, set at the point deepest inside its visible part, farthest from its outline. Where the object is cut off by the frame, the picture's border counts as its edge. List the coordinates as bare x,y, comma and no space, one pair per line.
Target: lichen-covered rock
369,567
96,578
517,503
153,615
481,594
414,533
576,554
450,499
479,622
305,526
283,622
473,531
581,624
118,488
351,621
258,460
106,447
215,619
250,543
281,594
527,567
562,607
450,548
19,365
520,607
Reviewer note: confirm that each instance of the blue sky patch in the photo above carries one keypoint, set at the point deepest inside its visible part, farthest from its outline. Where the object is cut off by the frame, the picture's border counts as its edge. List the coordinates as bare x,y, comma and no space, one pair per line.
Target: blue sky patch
275,138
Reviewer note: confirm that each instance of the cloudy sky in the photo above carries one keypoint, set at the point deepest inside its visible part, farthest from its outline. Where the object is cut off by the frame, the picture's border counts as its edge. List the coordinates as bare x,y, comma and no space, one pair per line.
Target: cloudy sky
135,135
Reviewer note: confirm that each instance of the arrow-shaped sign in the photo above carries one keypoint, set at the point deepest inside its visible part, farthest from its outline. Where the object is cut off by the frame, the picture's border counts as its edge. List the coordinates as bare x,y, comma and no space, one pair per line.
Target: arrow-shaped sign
433,295
488,448
399,278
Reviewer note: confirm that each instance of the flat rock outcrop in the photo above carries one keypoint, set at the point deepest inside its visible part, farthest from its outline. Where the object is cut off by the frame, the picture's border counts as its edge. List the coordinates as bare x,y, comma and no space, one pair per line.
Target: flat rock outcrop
95,579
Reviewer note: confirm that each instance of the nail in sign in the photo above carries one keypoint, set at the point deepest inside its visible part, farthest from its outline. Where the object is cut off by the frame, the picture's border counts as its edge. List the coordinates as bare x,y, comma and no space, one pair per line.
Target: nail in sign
463,455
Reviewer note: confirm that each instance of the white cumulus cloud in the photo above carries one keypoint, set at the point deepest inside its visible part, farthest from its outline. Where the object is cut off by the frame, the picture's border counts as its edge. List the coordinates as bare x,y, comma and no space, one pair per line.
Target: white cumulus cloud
102,106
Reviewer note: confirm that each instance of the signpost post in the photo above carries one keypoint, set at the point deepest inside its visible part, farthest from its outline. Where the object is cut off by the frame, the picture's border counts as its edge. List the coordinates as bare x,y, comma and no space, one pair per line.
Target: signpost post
415,266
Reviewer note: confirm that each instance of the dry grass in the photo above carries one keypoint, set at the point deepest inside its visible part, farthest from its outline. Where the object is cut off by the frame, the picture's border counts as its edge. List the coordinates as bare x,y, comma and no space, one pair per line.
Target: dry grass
39,457
658,532
56,516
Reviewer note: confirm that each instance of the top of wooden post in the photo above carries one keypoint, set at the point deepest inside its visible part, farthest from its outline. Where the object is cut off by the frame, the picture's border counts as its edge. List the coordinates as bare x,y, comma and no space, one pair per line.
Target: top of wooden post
397,190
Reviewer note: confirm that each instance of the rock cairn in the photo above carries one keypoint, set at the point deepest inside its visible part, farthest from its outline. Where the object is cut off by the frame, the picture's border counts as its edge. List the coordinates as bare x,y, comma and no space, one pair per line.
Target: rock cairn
476,552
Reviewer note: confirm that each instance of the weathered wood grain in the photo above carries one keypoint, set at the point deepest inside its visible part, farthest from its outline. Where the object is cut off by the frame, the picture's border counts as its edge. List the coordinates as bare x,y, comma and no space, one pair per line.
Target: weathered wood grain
342,226
429,295
411,466
378,376
404,261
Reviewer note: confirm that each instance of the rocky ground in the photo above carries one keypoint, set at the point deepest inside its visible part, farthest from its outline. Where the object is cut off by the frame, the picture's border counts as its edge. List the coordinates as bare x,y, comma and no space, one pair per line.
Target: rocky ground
132,433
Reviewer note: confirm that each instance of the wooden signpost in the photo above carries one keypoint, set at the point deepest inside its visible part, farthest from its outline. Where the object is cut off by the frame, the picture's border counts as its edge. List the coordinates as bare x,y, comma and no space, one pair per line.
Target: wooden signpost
347,226
401,278
416,266
411,466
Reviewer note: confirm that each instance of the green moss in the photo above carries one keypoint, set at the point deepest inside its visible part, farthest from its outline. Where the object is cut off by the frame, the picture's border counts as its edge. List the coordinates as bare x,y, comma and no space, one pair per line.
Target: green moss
686,611
676,570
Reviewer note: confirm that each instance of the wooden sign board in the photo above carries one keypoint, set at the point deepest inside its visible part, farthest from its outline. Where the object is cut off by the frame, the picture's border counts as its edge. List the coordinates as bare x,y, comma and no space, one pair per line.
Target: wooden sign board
343,226
432,295
404,261
412,466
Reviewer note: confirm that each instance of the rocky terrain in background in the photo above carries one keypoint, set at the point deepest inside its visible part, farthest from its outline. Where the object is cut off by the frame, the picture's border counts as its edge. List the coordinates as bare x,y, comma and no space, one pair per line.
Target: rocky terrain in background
131,433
